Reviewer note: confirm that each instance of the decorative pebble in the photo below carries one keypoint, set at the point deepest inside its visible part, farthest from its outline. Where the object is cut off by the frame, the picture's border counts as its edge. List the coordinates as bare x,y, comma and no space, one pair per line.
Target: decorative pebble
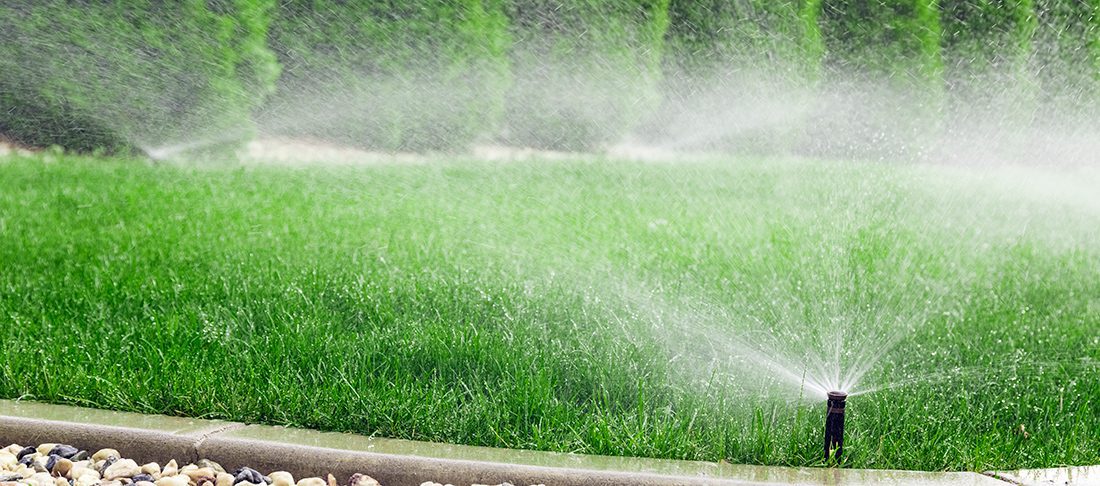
51,462
122,468
91,478
281,478
224,479
144,483
247,474
79,469
44,449
198,473
362,480
103,454
170,469
311,482
62,467
63,450
173,481
102,466
210,464
40,479
152,469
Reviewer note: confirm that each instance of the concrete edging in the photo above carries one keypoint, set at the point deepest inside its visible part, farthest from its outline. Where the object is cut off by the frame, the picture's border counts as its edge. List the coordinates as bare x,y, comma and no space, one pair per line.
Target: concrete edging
393,462
1073,476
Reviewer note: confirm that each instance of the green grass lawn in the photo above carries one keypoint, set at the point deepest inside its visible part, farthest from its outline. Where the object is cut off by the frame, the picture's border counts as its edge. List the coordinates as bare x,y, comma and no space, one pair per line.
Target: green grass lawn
671,310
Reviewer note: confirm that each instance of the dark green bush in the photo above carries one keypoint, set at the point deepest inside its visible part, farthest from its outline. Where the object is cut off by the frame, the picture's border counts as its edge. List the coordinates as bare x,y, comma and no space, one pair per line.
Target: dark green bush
717,38
884,72
985,41
986,49
722,59
585,71
898,40
1066,52
391,74
114,75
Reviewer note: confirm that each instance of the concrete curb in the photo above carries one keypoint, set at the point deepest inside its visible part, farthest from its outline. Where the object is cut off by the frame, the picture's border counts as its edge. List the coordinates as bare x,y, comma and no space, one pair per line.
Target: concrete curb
1076,476
398,462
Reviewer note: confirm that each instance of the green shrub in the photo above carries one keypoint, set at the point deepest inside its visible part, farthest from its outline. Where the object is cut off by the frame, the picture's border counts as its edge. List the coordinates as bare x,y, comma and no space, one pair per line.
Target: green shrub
986,49
715,38
897,40
985,41
1066,59
884,72
722,59
585,71
114,75
391,74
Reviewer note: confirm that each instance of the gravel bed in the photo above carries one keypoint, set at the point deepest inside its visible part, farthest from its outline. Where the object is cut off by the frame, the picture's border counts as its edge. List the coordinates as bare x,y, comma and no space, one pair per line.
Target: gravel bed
65,465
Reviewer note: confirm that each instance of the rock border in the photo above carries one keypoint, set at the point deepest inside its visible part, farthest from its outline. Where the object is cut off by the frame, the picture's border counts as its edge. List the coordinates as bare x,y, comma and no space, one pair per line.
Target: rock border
158,438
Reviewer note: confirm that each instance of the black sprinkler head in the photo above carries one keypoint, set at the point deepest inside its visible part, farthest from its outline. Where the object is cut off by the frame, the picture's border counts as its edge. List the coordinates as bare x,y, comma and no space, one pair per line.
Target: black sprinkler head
834,426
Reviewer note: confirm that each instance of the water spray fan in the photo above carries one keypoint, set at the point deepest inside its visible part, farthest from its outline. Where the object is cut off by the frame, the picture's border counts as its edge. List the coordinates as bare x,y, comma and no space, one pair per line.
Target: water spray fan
834,425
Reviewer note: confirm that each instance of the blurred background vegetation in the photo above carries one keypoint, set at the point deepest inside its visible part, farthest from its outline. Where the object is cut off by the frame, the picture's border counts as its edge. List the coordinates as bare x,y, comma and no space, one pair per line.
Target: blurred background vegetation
417,75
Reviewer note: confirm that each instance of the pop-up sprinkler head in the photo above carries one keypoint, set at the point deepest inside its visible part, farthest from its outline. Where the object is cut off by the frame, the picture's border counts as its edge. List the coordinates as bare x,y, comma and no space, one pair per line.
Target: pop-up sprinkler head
834,426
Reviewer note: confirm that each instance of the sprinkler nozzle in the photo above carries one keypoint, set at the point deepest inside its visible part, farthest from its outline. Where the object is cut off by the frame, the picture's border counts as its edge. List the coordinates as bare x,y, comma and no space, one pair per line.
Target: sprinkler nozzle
834,425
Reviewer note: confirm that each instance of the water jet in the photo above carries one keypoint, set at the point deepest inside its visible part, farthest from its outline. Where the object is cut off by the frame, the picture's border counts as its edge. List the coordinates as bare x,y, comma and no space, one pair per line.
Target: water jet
834,425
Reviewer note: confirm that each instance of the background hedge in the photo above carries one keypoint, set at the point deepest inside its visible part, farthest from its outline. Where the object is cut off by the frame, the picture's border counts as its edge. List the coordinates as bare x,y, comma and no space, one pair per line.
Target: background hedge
390,74
108,75
986,41
710,39
585,71
884,71
1066,59
897,38
724,59
559,74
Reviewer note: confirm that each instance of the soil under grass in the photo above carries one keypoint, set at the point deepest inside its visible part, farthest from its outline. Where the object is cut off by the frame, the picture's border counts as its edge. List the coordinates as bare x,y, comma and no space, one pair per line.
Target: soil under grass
498,303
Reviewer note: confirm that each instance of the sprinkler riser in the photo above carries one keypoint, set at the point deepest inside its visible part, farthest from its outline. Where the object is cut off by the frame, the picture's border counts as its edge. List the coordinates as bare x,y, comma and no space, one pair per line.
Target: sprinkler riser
834,426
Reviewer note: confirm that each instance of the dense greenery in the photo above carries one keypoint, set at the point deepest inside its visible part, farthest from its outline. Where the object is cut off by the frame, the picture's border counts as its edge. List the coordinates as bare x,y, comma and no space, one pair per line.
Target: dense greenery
897,38
719,38
723,55
92,75
560,74
591,306
1067,52
886,56
585,72
393,75
987,40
